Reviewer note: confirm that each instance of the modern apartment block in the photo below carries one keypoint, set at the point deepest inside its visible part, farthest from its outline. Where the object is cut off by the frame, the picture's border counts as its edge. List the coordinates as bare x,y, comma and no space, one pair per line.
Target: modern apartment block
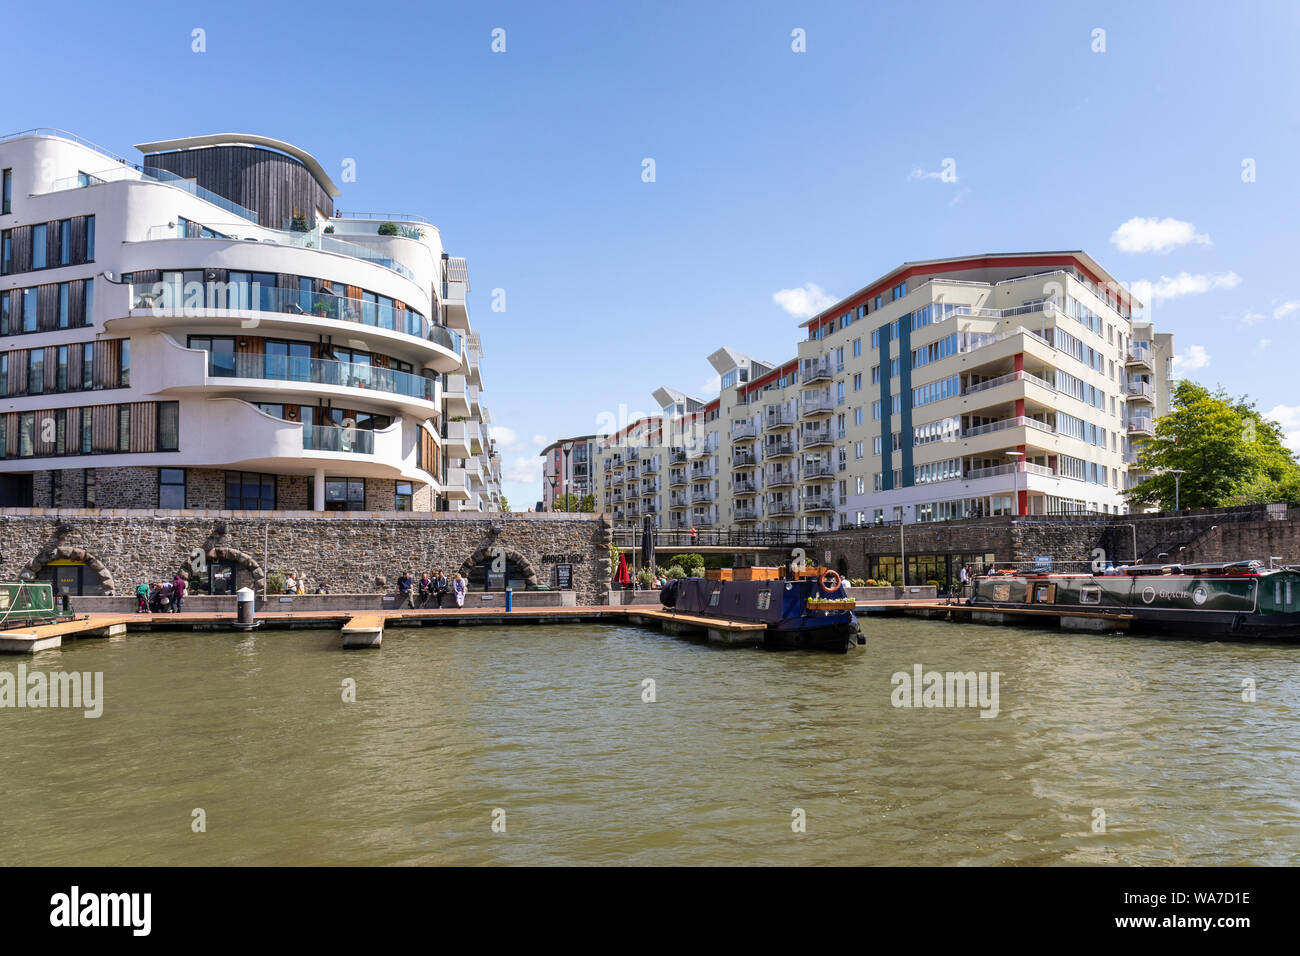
568,468
985,385
201,329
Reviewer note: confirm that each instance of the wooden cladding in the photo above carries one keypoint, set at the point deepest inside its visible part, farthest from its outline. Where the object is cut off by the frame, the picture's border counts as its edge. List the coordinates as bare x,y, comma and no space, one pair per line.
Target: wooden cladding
50,313
125,428
106,368
429,454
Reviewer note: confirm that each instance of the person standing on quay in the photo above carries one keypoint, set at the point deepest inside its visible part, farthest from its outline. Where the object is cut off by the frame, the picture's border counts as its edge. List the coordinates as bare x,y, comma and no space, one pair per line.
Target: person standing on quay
965,579
178,592
404,590
458,588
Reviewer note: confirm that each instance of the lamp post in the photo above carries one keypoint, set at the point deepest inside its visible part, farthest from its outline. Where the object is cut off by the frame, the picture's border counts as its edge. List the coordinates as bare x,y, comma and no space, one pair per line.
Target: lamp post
568,450
1178,474
552,479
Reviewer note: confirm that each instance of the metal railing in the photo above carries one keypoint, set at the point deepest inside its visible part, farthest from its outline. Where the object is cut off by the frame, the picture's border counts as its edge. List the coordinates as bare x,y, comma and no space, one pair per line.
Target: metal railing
131,172
679,536
742,431
780,449
166,299
814,437
744,488
780,479
332,438
743,459
1004,379
310,371
1018,421
817,406
1142,390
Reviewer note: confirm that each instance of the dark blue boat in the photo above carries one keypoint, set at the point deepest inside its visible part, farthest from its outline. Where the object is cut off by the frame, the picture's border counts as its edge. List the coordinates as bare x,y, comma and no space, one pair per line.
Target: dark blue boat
799,612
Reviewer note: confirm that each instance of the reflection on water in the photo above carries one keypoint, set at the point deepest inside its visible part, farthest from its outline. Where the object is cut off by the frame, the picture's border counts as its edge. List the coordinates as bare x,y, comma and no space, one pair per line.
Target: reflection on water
548,724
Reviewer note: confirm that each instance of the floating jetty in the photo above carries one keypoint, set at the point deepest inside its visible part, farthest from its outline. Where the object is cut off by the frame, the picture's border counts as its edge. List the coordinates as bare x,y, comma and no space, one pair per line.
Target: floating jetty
361,629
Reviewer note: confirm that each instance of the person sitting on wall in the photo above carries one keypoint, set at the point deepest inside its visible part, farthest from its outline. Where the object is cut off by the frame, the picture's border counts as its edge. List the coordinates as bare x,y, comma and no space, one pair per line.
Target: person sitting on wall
440,586
426,585
406,598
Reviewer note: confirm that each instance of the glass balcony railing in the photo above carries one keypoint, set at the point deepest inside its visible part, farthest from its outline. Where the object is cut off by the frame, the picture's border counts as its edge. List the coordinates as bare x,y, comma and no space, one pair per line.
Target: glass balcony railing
169,299
332,438
129,172
287,368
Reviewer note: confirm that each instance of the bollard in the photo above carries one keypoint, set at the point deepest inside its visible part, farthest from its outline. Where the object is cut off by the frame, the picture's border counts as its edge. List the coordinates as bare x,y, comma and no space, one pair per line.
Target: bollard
510,599
244,606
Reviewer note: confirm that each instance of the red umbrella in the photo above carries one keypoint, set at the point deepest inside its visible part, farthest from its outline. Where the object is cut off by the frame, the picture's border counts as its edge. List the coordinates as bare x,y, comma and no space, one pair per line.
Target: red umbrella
622,576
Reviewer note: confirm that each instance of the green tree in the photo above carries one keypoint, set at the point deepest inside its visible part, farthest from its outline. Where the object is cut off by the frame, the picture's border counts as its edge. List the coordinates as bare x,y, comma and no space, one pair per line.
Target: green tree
505,504
1228,452
571,502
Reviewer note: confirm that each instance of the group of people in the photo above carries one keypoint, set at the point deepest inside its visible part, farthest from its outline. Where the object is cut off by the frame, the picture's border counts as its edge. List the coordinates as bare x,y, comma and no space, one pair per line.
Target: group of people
162,597
437,587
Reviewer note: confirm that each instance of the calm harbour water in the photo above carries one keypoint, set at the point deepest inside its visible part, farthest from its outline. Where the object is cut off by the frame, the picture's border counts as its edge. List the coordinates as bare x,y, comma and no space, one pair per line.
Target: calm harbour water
548,724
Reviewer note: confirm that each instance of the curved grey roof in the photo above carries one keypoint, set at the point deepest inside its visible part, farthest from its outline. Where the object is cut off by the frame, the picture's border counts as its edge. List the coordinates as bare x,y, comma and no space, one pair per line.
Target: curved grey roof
246,139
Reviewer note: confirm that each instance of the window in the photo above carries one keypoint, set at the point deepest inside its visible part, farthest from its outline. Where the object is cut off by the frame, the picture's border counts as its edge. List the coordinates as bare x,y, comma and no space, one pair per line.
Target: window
4,312
6,201
35,371
857,382
87,366
405,496
124,427
88,314
86,432
26,434
857,347
39,239
4,378
63,305
7,257
247,491
124,364
857,450
345,494
61,381
169,426
29,310
171,488
65,242
90,238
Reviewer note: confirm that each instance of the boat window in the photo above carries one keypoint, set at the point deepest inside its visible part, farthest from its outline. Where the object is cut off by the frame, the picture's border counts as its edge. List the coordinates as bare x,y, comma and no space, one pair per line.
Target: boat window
1288,592
1090,596
1277,592
713,597
1044,593
764,600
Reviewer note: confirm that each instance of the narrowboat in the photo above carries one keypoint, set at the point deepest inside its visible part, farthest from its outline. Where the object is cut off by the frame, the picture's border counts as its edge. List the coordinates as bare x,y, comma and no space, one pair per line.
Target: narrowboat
24,603
1236,600
810,610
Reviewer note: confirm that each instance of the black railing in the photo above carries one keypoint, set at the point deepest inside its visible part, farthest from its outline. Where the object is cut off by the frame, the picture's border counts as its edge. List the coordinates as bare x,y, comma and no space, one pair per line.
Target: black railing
711,538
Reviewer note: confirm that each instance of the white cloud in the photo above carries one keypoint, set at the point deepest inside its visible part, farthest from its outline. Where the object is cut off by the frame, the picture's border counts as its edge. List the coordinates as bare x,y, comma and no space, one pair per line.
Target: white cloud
525,468
1156,235
1192,360
711,385
1252,318
502,435
805,301
1285,309
1263,345
1185,283
1288,416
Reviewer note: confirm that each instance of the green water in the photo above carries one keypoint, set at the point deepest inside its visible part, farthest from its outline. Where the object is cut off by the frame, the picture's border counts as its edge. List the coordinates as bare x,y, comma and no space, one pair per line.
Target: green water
548,724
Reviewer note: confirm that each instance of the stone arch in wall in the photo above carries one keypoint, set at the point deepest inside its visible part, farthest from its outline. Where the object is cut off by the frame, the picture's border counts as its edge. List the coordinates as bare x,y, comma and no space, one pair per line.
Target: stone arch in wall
64,552
216,553
487,553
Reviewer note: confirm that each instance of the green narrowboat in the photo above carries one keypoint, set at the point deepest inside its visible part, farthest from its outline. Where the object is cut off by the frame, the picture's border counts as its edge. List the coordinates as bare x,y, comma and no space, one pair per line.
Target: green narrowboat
1237,600
23,603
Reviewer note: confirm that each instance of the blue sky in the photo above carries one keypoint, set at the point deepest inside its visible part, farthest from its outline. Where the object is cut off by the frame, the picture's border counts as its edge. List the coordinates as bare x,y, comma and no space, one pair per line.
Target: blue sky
774,170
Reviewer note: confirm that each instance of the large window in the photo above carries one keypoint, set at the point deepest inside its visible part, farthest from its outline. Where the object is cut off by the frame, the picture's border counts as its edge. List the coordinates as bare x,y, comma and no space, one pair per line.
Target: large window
124,428
7,252
405,496
345,494
35,371
169,426
65,242
171,488
124,363
29,310
7,196
40,232
247,491
90,238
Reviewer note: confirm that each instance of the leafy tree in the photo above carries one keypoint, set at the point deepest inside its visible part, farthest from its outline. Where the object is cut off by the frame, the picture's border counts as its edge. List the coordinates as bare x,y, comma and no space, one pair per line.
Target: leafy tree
571,502
505,504
1229,453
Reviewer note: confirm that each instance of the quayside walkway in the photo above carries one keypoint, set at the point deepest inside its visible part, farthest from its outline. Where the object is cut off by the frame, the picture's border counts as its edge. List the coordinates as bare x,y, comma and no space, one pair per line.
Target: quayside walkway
366,628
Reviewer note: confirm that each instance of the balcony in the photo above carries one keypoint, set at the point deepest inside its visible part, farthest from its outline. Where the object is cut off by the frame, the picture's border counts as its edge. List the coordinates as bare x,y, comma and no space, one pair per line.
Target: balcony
332,438
1139,355
679,499
817,372
455,287
678,478
1141,392
702,496
299,309
818,469
618,497
1142,425
1006,379
816,437
457,395
779,449
310,374
745,514
744,487
743,459
456,484
455,440
819,503
777,421
1018,421
679,457
820,405
993,471
780,479
649,490
744,431
780,507
649,467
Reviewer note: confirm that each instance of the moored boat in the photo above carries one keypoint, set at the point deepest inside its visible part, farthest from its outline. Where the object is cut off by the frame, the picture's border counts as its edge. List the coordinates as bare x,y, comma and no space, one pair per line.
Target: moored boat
809,610
1236,600
23,603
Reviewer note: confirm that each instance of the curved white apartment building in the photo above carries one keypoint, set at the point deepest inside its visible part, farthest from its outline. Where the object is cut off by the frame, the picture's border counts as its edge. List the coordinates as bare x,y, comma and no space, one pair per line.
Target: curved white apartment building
201,330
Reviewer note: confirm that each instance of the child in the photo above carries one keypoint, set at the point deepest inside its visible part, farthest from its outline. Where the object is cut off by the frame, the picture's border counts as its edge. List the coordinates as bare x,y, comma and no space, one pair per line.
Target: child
141,599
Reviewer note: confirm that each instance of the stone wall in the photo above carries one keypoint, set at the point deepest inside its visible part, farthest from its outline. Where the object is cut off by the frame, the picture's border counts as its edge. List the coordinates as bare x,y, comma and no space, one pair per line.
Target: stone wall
205,488
347,552
126,487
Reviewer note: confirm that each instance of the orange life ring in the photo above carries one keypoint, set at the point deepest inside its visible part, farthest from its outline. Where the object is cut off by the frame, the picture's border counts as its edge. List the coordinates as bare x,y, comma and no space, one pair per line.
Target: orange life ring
830,588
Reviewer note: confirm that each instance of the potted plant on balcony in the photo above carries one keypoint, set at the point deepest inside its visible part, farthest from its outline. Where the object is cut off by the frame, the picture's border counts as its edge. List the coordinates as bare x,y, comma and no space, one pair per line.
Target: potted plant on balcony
388,229
299,224
329,230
